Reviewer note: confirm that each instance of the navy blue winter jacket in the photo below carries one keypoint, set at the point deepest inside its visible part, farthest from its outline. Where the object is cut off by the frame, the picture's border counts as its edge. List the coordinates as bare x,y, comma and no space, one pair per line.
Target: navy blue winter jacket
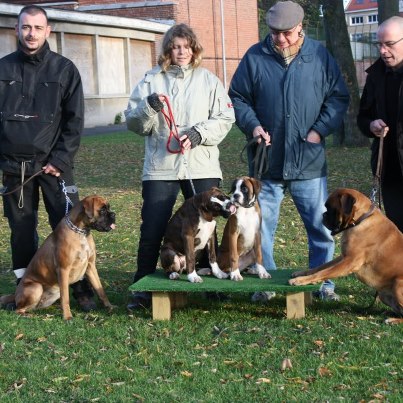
288,102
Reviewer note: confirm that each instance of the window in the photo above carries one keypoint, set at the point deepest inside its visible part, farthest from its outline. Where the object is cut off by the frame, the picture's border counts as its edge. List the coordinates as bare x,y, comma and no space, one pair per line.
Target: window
357,37
373,18
359,1
357,20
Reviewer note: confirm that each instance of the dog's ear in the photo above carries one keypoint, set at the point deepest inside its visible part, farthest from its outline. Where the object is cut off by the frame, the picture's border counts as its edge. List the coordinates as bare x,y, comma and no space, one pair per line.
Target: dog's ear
233,186
257,185
88,206
347,202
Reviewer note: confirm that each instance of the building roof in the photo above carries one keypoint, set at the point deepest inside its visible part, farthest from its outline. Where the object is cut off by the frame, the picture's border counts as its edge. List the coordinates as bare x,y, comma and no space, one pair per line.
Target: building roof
361,5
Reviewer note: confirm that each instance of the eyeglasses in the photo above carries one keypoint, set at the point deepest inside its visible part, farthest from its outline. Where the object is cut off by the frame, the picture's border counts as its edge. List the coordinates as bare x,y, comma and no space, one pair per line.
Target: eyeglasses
388,44
285,33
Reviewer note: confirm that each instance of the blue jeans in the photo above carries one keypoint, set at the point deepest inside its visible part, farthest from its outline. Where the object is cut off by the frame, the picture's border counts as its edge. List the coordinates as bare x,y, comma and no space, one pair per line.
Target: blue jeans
309,197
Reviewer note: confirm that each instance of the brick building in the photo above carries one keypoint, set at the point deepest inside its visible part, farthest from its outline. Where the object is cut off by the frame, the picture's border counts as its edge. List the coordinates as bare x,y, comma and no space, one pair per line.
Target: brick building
226,28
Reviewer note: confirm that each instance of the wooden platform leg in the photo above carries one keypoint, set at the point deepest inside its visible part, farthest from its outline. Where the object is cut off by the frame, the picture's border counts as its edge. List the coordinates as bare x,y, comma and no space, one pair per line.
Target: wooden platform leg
295,305
308,298
161,306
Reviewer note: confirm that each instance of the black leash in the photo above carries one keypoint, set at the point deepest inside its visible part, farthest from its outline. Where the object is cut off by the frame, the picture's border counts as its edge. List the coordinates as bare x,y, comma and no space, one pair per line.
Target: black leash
260,160
3,190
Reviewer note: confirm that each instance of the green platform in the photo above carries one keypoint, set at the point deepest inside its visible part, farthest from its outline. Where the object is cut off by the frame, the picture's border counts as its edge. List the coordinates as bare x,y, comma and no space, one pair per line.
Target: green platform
168,294
159,281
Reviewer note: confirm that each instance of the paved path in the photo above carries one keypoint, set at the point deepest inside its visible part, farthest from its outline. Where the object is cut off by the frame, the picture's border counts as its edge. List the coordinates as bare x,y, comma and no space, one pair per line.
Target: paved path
91,131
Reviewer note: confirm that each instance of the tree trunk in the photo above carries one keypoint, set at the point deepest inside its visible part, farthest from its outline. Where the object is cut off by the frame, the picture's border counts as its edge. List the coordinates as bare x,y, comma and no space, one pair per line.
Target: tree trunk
338,43
387,9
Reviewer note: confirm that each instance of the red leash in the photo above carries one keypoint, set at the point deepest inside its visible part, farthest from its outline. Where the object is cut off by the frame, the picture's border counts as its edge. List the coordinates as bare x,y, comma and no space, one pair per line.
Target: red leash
173,134
173,130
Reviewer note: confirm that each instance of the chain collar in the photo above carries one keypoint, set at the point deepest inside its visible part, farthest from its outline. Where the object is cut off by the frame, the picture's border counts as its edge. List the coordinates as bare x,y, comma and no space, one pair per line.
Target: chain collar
74,227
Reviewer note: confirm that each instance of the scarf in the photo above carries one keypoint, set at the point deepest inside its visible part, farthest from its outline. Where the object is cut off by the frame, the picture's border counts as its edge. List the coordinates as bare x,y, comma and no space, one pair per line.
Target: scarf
288,54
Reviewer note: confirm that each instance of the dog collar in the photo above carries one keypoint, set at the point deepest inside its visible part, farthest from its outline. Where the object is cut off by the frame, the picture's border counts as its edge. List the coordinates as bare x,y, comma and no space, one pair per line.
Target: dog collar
74,227
355,223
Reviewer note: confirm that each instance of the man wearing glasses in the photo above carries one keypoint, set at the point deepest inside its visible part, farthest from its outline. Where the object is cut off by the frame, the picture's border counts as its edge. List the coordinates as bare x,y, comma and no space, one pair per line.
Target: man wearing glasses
288,92
381,114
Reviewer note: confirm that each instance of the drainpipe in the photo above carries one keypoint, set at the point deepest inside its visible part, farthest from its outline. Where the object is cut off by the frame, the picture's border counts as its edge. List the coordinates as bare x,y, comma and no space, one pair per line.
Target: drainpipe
224,61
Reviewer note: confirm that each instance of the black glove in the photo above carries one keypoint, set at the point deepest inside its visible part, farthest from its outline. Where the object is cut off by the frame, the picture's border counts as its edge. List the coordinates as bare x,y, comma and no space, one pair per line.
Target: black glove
193,135
154,101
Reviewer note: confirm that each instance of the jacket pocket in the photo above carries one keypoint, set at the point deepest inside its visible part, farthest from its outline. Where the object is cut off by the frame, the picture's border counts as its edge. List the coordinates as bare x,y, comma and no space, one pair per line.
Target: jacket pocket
25,135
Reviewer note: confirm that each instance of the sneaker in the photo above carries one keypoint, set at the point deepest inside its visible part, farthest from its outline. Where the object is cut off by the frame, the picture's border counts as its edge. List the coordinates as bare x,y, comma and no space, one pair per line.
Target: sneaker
86,303
263,296
326,294
139,300
9,306
216,296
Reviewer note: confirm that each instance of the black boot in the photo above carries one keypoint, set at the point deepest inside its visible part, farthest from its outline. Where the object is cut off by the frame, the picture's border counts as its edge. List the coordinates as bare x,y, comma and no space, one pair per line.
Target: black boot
84,295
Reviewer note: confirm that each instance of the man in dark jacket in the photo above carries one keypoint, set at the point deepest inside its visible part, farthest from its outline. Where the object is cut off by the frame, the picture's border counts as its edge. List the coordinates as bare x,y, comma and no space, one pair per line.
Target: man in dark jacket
42,114
381,114
289,93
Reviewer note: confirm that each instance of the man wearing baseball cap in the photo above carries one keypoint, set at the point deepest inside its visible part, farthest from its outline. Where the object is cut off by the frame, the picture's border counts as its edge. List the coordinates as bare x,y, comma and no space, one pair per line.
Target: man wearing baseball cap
288,93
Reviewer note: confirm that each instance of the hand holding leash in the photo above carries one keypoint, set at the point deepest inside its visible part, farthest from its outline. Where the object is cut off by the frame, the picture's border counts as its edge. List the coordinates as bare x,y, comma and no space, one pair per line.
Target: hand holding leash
261,133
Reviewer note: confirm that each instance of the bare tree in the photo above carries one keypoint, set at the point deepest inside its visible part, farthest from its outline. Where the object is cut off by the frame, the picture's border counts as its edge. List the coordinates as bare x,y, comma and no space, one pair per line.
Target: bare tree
338,43
386,9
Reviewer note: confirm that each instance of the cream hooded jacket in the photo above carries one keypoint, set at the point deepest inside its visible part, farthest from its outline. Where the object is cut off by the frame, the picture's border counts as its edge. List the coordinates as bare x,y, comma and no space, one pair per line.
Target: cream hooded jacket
198,99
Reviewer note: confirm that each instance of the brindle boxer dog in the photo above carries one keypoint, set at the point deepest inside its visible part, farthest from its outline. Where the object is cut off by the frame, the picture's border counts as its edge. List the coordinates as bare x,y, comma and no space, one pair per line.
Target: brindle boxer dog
67,254
371,248
190,229
241,242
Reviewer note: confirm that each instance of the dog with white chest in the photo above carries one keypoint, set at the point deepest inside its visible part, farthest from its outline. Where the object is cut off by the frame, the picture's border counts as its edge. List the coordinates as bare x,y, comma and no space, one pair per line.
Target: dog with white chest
190,230
241,242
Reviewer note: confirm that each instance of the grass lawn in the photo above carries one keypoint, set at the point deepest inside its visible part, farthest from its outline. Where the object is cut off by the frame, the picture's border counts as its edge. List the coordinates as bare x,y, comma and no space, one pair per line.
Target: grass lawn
211,351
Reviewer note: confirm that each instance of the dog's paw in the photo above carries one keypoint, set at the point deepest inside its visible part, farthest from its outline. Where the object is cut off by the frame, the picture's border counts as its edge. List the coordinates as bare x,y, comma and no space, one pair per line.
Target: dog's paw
393,321
218,272
236,275
110,308
194,278
174,276
262,272
295,281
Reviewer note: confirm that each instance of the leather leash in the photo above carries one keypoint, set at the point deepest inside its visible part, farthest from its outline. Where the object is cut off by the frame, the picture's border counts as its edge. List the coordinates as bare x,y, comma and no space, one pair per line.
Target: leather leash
260,160
376,188
3,190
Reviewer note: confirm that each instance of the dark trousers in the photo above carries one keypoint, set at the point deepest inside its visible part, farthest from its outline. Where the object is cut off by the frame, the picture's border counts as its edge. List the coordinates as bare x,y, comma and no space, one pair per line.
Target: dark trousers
159,198
392,196
21,210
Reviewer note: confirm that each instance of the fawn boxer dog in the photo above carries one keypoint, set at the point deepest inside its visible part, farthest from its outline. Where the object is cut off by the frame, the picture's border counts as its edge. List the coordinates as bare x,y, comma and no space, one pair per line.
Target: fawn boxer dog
66,255
241,242
371,248
190,229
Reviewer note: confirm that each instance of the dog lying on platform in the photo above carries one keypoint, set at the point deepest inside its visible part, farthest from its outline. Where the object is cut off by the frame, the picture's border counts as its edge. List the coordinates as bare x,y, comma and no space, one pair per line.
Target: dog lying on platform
190,229
66,255
371,248
241,242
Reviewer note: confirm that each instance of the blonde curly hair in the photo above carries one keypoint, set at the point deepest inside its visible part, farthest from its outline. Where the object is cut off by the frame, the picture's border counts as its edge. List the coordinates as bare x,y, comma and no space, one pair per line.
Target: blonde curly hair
180,31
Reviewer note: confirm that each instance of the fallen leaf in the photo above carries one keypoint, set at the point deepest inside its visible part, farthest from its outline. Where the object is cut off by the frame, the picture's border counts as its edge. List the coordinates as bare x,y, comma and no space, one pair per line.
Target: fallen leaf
286,364
323,371
187,374
263,380
19,336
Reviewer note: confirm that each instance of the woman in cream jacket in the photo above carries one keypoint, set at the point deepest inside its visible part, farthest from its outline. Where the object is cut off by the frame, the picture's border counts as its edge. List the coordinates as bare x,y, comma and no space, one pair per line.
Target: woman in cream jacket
203,115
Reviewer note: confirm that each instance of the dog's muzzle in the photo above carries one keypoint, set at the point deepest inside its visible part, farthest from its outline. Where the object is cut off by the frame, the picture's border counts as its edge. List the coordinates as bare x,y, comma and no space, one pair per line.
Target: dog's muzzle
228,208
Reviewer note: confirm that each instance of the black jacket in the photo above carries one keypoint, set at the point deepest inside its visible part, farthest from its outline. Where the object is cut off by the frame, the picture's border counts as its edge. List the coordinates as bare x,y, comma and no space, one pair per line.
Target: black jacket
372,106
41,111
